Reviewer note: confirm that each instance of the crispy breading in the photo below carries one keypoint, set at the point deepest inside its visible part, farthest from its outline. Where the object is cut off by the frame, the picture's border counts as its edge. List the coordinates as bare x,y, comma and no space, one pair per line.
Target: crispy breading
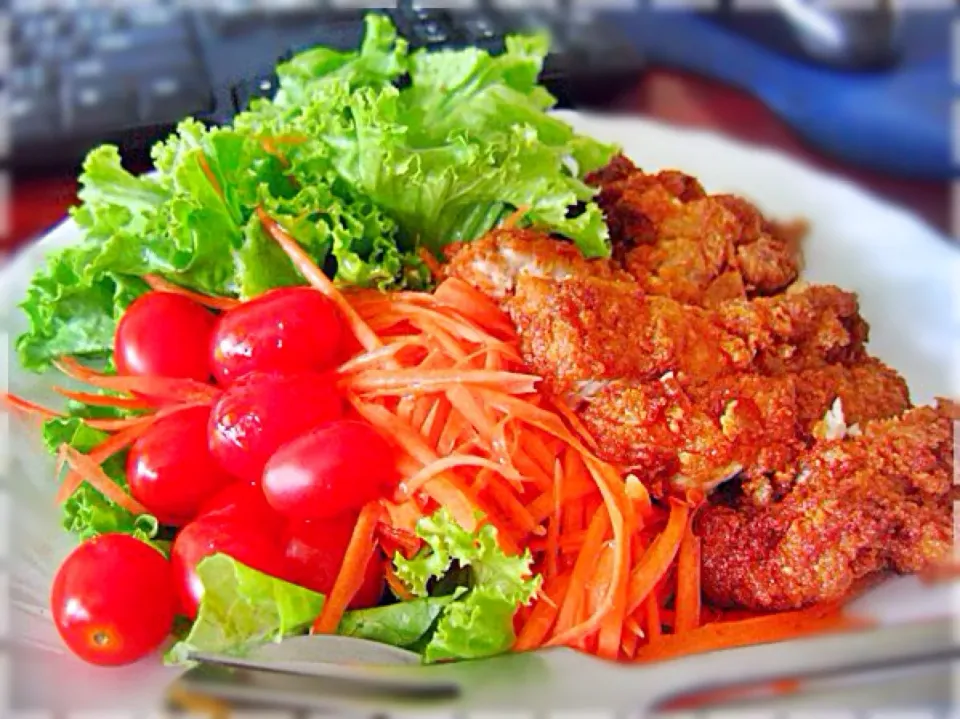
679,241
755,424
587,329
493,263
856,506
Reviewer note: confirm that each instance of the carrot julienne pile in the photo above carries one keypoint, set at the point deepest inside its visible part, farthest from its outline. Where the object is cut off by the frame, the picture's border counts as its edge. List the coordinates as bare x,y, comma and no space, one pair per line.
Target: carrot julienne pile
441,377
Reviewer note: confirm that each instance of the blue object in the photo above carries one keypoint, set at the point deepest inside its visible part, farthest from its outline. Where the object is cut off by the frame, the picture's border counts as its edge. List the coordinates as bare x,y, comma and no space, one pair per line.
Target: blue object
897,121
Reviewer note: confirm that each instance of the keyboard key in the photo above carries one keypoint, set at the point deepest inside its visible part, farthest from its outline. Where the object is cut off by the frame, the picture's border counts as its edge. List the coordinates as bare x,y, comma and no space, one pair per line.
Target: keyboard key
34,118
170,98
99,107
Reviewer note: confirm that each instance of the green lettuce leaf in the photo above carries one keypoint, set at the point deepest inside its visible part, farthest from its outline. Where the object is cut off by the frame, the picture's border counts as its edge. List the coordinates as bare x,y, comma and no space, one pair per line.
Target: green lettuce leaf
243,608
480,623
87,513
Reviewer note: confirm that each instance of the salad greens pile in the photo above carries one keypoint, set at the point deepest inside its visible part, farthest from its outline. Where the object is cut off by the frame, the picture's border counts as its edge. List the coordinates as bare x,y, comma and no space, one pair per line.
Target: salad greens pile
466,592
364,157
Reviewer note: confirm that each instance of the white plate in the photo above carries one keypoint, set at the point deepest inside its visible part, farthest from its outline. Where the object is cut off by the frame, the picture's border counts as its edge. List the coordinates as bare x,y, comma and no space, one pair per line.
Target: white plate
903,271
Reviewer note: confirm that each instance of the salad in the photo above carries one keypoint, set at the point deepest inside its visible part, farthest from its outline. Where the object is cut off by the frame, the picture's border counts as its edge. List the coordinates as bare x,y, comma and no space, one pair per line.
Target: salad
288,420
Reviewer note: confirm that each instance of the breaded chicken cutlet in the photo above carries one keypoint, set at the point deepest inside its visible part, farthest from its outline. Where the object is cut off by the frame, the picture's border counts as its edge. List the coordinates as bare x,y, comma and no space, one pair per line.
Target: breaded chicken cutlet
677,240
881,500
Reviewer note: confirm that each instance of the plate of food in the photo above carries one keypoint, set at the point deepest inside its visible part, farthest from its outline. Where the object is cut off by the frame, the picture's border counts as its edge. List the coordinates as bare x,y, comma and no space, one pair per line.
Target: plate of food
429,364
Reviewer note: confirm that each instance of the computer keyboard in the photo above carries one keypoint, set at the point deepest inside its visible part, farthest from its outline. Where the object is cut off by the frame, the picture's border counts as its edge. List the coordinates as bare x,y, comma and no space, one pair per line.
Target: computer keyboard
103,73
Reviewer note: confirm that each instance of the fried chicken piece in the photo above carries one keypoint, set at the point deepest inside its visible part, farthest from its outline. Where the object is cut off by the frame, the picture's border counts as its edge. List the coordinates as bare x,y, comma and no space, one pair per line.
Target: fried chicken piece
589,329
749,424
678,241
857,506
493,263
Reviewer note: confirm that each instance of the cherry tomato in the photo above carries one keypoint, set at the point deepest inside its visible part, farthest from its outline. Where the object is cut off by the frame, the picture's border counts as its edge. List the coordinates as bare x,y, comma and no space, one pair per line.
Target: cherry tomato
258,414
113,600
244,501
164,334
286,330
315,552
222,532
170,468
332,470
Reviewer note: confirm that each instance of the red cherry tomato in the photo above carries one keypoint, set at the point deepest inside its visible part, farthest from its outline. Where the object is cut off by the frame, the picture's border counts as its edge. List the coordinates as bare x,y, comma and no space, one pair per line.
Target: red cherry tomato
166,335
244,501
113,600
287,330
315,552
258,414
332,470
222,533
170,468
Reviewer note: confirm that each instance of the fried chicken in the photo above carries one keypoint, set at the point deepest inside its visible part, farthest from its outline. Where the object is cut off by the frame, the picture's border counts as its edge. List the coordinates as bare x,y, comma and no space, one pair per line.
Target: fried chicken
678,241
877,501
588,329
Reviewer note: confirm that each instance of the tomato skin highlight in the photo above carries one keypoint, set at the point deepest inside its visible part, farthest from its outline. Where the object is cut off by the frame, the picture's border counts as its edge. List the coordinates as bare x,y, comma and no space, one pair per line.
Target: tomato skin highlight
171,470
162,334
113,600
222,532
258,414
314,553
286,330
332,470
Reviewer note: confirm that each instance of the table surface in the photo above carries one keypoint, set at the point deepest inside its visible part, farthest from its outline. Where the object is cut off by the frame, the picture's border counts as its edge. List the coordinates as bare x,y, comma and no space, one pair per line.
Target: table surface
666,95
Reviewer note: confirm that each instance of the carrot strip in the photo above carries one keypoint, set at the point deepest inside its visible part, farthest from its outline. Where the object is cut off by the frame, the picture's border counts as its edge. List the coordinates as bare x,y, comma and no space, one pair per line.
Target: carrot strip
156,282
514,509
688,583
654,624
376,357
757,630
553,525
474,305
26,406
317,279
90,471
410,382
165,388
436,269
396,586
105,400
415,483
544,615
350,577
584,567
659,557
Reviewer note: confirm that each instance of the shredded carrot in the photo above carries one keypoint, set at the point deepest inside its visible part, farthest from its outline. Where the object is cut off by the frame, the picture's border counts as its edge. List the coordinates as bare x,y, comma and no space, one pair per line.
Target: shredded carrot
428,259
409,382
514,217
359,552
167,389
654,623
471,303
396,586
659,557
688,583
90,471
217,303
105,400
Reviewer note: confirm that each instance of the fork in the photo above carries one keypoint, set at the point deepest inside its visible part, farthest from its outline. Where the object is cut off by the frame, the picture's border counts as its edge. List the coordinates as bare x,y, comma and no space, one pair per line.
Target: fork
326,672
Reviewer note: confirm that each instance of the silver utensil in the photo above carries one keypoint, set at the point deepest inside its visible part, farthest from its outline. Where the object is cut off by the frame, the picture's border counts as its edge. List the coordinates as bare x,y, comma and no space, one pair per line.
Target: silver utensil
349,675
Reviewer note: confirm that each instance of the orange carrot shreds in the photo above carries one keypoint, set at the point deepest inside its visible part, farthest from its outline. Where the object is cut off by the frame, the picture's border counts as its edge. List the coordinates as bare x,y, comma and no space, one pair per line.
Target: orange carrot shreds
349,579
541,620
167,389
405,409
90,471
756,630
105,400
659,556
431,262
553,525
396,586
403,518
652,620
414,381
27,407
474,305
317,279
469,405
582,571
156,282
443,465
435,421
456,428
451,492
576,425
393,349
628,645
639,497
688,582
542,507
512,508
611,625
